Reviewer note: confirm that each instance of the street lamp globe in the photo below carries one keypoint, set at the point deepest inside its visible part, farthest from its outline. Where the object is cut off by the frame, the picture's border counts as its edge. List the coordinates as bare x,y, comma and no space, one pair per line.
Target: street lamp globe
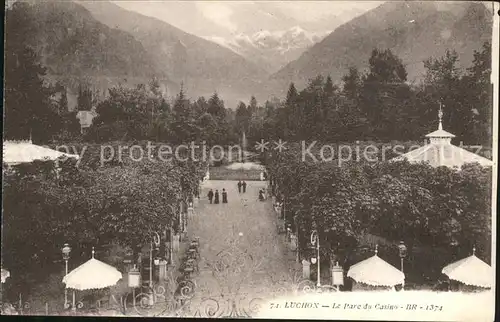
402,249
66,250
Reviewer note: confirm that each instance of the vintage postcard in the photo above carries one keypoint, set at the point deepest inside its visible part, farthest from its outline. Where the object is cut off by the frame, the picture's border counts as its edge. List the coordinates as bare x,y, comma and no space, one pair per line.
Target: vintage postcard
250,159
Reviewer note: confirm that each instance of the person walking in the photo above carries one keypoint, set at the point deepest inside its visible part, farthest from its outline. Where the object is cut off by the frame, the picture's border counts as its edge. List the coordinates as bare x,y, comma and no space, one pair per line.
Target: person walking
224,196
239,186
216,199
210,195
244,185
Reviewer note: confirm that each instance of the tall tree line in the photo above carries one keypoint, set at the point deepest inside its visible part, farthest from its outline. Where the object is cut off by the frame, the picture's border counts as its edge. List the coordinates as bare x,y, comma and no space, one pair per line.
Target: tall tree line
144,113
381,104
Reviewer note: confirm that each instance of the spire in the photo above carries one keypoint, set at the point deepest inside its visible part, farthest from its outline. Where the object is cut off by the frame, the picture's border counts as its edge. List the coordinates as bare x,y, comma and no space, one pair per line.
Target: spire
440,115
440,136
376,249
474,250
93,251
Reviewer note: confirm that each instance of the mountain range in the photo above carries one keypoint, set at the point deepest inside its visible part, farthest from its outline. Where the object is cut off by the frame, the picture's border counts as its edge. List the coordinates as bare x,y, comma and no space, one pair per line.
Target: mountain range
202,66
226,19
77,49
101,43
415,31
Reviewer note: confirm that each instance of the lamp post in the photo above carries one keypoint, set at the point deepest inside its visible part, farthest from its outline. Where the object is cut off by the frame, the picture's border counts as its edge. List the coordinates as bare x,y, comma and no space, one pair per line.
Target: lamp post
402,254
315,242
181,219
66,250
171,235
155,240
151,264
297,255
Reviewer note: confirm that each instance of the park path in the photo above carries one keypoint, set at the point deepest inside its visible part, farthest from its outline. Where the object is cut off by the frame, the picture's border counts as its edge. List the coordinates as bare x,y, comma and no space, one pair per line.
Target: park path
245,230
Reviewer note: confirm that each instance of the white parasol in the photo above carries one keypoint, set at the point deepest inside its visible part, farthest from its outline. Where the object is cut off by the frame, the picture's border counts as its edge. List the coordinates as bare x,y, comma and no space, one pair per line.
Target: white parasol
92,274
471,271
376,272
5,275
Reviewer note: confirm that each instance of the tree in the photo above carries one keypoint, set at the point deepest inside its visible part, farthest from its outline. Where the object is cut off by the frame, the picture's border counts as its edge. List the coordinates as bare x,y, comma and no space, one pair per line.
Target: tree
28,110
89,206
154,88
386,68
242,118
256,120
384,92
200,107
252,106
442,86
291,113
183,125
270,130
351,86
208,126
312,109
126,113
216,107
432,209
442,72
329,89
477,84
63,101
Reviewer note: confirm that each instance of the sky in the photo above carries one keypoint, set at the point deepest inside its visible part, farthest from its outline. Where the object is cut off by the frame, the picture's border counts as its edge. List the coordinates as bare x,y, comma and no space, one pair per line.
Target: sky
224,18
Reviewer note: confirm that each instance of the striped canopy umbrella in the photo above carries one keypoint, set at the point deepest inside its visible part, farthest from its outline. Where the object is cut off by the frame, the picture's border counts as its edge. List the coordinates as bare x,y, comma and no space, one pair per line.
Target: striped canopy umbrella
92,274
470,271
376,272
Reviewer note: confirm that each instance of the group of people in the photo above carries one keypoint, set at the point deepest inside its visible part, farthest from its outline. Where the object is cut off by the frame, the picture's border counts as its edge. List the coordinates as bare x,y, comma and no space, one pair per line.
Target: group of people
242,185
215,196
262,194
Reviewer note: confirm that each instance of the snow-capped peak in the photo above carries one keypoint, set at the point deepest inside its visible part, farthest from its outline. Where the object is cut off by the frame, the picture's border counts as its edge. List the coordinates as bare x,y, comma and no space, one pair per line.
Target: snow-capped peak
262,34
275,48
297,30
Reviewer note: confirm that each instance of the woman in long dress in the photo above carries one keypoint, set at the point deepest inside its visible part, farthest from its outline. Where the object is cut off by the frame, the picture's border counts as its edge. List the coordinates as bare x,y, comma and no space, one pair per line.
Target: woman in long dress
224,196
216,197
